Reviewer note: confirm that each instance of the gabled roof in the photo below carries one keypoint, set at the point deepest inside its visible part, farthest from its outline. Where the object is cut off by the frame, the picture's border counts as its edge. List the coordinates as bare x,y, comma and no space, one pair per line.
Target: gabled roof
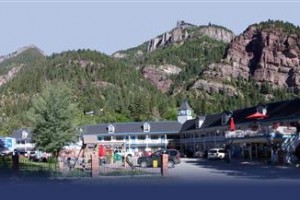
18,134
210,121
133,128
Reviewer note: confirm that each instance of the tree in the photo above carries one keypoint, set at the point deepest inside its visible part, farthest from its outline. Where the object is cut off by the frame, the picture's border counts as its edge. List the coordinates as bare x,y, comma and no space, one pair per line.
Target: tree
53,116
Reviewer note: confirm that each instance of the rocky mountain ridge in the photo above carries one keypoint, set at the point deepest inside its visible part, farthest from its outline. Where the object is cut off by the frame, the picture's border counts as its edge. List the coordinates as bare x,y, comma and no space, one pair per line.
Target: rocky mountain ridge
19,51
268,55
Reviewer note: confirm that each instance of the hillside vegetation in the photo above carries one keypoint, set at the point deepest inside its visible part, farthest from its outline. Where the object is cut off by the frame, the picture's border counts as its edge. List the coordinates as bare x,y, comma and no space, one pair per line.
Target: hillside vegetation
118,89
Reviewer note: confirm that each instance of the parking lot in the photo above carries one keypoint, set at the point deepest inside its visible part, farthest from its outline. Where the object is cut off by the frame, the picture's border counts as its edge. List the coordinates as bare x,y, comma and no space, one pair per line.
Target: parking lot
217,171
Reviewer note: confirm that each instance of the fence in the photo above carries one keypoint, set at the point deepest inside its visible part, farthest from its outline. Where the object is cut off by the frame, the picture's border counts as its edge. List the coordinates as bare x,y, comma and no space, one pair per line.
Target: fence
24,168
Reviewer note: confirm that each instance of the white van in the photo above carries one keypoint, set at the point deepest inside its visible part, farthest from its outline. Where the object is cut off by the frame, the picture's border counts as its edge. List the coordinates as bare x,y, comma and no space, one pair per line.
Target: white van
216,153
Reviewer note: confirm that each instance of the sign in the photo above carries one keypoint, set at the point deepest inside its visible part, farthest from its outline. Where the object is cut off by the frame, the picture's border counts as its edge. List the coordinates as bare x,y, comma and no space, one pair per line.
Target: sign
8,143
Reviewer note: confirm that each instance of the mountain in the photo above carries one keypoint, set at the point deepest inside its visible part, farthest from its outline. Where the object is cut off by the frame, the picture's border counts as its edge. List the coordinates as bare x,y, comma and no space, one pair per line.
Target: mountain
176,56
209,65
109,89
223,71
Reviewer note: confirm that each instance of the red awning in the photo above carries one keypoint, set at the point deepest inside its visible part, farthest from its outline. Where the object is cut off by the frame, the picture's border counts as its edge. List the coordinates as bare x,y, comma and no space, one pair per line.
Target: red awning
257,115
231,124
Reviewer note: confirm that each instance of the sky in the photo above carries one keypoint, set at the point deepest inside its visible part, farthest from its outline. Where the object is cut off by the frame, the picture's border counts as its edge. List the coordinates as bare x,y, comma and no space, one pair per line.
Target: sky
109,26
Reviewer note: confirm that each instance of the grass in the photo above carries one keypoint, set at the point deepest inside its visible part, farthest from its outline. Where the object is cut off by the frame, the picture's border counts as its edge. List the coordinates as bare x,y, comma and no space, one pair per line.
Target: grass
123,172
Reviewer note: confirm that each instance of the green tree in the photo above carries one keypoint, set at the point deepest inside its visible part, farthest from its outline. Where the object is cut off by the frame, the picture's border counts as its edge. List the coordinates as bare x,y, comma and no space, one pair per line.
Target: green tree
53,116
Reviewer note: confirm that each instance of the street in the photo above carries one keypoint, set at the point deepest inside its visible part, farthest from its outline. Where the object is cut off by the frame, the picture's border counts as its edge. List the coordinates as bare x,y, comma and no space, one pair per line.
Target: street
213,179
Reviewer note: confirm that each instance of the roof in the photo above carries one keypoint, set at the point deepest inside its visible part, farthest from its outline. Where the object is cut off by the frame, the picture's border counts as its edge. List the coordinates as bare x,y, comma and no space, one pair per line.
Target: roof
133,128
19,134
276,111
184,105
210,121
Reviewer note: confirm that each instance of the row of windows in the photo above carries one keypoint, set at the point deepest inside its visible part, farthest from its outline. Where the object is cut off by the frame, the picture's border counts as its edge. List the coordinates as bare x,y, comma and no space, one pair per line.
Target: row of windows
201,135
139,137
111,128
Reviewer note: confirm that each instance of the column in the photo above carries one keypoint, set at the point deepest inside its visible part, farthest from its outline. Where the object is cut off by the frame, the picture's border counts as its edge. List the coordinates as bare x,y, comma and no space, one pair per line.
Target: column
164,164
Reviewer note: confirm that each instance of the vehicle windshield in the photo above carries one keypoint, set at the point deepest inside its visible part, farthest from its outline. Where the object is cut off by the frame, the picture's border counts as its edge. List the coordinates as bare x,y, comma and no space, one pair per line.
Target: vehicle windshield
213,151
157,153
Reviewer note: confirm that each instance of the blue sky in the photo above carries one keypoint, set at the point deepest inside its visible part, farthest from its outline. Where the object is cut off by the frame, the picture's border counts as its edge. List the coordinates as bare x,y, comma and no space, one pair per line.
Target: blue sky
109,26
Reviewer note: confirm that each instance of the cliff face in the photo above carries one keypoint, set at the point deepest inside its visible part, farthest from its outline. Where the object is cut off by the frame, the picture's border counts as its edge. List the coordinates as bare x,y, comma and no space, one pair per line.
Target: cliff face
214,32
264,55
177,35
159,75
184,31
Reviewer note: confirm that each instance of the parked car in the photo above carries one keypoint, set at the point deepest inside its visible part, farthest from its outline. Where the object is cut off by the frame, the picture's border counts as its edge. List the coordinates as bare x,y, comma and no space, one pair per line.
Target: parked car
216,153
147,161
200,154
38,156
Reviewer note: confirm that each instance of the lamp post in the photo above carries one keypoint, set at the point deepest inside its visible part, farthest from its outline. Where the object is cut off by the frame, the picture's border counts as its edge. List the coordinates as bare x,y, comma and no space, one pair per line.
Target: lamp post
217,132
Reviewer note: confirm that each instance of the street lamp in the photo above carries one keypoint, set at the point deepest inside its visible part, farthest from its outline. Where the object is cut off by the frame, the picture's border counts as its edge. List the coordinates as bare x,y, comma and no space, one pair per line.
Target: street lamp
217,133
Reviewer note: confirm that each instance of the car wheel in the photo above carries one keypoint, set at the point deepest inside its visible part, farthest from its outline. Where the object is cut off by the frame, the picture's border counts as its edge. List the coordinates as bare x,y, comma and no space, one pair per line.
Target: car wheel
144,164
171,164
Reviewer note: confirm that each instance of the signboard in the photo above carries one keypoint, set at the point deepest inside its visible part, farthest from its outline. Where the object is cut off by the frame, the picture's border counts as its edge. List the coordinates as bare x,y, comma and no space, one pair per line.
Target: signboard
7,143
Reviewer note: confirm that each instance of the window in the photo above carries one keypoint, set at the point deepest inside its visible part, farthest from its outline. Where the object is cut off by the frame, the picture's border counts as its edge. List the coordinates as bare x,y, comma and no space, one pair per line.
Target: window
100,138
111,128
226,116
24,134
141,137
146,127
199,121
154,137
107,138
189,112
128,137
119,137
262,109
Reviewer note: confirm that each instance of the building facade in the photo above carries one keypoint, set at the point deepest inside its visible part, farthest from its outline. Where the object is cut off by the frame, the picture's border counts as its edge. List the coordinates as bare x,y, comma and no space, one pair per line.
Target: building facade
251,133
139,136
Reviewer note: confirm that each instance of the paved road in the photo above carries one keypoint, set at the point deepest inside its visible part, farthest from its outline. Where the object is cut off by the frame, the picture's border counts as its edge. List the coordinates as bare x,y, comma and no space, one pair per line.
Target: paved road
202,178
217,171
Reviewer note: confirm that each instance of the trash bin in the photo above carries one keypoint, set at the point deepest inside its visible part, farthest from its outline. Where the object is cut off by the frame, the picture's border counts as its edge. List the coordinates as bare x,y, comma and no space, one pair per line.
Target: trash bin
155,163
117,157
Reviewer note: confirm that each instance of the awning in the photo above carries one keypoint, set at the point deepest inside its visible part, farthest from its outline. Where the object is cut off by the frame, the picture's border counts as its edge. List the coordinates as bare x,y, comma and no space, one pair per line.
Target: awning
257,115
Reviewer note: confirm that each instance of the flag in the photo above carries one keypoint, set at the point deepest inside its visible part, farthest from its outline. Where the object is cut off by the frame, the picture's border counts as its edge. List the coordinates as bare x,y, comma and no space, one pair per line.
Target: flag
231,124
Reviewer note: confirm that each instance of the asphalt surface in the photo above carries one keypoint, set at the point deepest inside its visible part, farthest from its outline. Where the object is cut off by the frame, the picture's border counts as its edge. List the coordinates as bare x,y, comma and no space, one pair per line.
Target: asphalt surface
192,177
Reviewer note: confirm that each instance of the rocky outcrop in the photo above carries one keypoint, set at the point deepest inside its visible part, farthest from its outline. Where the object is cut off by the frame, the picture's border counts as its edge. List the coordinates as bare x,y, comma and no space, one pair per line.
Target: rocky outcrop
215,32
214,87
265,55
159,76
180,33
11,74
177,35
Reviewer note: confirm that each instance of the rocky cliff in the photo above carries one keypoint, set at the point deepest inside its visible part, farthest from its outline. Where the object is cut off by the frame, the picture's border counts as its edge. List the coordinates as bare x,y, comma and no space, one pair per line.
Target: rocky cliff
176,35
159,75
215,32
262,54
184,30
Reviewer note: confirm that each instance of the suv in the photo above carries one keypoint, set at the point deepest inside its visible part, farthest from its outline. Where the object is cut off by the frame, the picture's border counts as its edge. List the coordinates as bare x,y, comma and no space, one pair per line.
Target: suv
38,156
216,153
173,159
